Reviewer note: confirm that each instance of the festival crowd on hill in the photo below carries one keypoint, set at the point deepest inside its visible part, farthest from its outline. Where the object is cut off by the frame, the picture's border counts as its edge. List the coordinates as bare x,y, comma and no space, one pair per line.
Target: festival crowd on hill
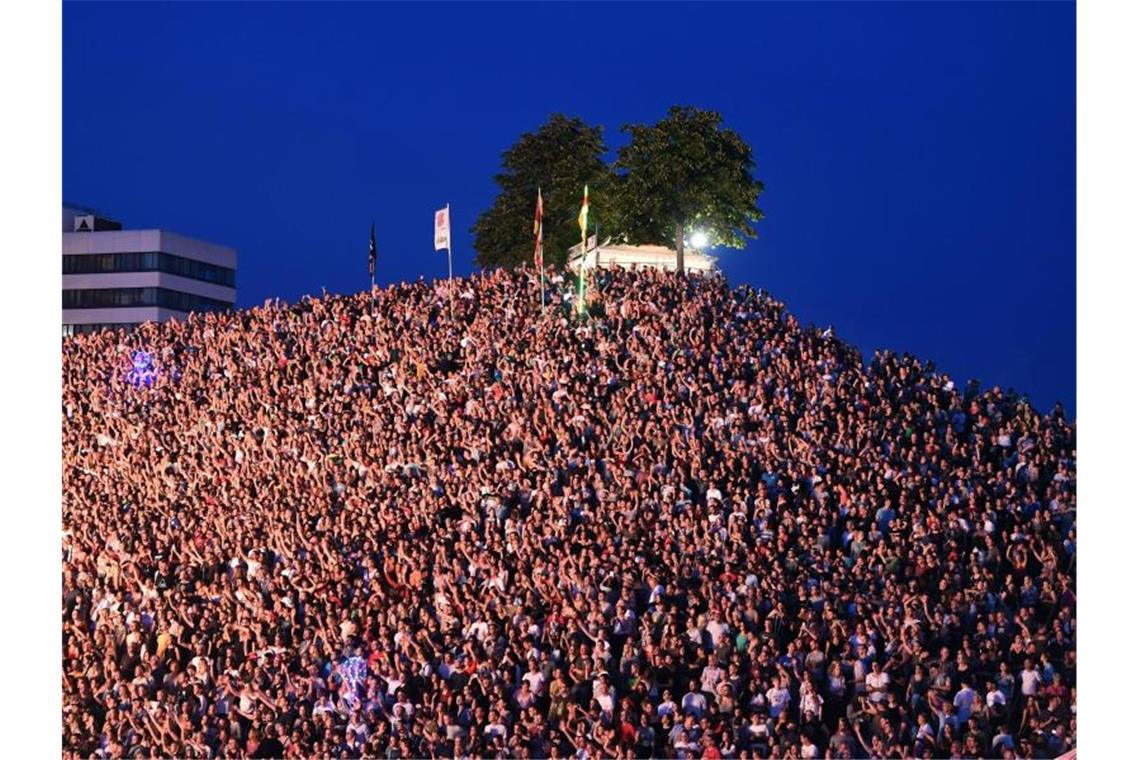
401,524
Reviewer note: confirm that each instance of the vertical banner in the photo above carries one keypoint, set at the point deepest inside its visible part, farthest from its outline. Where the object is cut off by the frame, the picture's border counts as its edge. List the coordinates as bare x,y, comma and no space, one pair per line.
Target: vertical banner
443,228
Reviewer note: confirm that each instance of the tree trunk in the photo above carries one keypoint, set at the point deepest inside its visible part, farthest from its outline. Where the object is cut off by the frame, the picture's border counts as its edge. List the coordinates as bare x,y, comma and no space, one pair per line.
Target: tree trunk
680,248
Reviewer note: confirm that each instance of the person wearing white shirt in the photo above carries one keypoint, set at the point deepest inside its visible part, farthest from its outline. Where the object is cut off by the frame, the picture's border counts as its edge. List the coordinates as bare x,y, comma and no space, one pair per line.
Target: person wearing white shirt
778,698
716,630
406,707
877,682
711,675
1030,679
536,679
605,700
477,630
811,704
758,729
995,701
694,702
494,727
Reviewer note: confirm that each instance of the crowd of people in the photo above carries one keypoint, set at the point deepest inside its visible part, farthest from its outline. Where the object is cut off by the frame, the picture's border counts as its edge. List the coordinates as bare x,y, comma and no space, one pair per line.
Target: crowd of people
421,522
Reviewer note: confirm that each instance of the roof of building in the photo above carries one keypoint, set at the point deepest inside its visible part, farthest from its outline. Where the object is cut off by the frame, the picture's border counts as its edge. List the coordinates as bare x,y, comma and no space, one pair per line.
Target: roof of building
649,255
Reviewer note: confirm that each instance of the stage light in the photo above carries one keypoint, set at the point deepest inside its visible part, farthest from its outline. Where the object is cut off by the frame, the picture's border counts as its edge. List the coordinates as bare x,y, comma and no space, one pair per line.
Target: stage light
355,670
142,371
699,239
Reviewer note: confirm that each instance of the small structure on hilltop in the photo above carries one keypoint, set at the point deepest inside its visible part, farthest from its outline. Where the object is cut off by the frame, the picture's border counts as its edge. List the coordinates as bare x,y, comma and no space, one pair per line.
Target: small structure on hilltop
609,255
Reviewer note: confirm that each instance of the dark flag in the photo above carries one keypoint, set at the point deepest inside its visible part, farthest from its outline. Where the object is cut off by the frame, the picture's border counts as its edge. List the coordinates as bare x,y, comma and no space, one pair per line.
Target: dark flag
372,252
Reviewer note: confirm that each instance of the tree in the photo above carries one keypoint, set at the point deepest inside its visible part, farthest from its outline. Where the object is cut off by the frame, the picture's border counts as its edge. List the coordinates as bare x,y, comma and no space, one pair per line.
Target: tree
562,156
685,173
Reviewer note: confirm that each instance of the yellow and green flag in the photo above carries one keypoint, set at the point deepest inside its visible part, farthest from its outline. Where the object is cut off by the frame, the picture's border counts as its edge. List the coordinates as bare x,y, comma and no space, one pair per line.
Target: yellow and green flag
584,213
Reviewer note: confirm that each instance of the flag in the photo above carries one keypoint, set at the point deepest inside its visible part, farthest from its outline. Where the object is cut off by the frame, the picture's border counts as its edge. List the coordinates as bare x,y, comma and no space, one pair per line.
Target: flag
443,228
585,210
372,251
582,221
538,232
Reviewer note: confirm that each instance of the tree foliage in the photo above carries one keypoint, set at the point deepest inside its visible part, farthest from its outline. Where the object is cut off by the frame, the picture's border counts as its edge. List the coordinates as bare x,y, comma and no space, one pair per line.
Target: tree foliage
562,156
686,172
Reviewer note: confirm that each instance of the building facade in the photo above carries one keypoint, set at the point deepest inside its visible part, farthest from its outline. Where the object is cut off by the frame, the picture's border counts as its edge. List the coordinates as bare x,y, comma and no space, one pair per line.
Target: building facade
608,256
121,278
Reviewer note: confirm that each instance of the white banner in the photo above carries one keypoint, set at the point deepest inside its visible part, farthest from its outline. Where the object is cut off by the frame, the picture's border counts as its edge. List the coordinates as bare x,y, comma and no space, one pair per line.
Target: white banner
443,228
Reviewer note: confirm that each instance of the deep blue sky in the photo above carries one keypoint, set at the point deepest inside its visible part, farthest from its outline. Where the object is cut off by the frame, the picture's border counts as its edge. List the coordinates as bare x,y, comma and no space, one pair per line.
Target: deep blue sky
919,158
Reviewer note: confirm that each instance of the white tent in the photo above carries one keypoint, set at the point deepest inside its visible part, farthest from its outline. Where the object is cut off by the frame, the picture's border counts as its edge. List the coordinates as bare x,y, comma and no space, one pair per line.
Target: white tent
608,255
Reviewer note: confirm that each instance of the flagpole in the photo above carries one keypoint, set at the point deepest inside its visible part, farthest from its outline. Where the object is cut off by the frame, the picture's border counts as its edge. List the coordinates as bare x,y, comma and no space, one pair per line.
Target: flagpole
541,261
372,258
582,222
450,288
582,276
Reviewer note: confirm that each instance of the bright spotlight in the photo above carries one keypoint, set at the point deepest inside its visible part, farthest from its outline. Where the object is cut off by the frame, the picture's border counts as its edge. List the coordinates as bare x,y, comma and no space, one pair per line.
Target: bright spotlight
699,239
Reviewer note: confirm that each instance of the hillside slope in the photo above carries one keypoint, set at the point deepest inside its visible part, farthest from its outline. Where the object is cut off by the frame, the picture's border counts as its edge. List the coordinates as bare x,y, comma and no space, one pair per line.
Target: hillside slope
450,492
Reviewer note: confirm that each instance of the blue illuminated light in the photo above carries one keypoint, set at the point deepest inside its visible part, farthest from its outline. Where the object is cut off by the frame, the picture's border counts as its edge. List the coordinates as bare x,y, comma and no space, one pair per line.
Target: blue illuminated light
143,370
355,670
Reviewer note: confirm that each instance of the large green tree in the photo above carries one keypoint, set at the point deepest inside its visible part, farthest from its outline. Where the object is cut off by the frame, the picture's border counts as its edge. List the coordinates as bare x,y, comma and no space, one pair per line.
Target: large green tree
686,173
561,156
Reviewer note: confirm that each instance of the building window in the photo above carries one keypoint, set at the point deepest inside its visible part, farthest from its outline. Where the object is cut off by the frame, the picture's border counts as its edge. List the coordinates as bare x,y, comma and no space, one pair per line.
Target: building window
110,298
70,330
154,261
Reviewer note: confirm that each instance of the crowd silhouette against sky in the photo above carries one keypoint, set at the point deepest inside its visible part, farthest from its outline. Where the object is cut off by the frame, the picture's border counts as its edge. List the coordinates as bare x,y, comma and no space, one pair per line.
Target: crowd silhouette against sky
406,524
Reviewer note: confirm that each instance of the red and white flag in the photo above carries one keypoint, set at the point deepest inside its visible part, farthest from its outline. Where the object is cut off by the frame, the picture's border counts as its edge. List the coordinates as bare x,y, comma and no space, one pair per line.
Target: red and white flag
443,228
538,232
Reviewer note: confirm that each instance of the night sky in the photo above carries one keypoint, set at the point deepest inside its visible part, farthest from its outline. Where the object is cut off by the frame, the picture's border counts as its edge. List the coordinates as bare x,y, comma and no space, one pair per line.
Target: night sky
919,158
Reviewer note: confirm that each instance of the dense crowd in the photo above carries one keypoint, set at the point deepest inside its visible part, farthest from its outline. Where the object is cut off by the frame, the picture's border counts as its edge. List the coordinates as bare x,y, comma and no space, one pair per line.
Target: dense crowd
407,524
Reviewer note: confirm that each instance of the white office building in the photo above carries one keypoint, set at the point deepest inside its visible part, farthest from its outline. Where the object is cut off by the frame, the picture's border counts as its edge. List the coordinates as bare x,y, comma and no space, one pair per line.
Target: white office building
121,278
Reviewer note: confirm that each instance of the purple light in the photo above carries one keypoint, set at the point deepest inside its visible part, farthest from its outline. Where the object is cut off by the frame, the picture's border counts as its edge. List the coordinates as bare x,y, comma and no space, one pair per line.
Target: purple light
355,670
143,371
